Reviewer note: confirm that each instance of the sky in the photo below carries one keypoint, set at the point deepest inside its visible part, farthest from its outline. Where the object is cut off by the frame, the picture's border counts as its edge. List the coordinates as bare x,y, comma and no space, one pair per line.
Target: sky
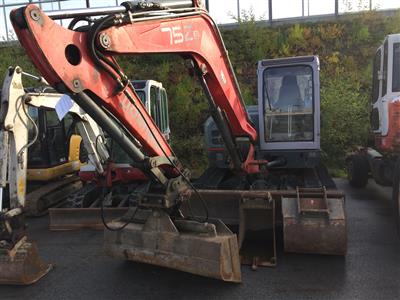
223,10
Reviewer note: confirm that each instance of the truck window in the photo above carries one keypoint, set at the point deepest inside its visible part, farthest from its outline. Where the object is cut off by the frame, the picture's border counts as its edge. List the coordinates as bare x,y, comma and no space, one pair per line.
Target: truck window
396,68
385,69
288,104
375,77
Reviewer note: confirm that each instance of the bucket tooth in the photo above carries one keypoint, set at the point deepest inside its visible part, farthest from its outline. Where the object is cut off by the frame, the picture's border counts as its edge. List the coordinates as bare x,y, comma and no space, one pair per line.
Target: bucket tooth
206,249
314,224
21,265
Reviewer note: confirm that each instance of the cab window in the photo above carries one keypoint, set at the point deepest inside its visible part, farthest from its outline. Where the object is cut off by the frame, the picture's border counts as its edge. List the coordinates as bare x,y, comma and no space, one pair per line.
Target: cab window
35,157
142,96
288,104
396,68
153,105
164,111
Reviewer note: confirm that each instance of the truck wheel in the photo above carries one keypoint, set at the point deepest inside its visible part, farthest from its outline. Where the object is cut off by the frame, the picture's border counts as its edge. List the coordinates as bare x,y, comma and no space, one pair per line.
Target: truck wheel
396,195
357,170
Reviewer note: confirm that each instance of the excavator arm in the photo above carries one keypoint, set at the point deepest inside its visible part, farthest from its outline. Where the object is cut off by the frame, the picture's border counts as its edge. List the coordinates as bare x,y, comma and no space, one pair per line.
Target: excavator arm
82,63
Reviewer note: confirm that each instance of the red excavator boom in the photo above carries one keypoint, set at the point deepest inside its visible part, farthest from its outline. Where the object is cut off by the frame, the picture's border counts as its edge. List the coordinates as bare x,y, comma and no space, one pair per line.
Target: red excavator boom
63,57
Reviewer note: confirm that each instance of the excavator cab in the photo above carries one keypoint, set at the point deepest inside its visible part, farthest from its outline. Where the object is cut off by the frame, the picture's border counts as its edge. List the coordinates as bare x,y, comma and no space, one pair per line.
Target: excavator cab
56,151
287,115
289,111
154,97
55,156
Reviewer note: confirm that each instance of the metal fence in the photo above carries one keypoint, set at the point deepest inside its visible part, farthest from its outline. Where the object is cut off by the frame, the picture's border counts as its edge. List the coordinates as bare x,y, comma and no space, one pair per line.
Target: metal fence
223,11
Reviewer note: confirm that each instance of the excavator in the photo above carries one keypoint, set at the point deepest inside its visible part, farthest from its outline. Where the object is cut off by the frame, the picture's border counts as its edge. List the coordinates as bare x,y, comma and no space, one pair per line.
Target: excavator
23,116
56,153
270,172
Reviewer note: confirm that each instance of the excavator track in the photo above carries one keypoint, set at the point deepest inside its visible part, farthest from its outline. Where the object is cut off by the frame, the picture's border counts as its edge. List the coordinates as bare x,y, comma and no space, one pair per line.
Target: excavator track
51,194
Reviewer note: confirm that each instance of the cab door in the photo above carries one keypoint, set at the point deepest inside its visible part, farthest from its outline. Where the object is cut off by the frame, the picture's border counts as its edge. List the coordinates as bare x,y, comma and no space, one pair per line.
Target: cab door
50,147
54,143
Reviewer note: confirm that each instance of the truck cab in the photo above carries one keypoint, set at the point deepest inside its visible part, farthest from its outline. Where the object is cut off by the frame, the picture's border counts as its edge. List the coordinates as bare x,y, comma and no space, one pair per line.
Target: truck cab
385,101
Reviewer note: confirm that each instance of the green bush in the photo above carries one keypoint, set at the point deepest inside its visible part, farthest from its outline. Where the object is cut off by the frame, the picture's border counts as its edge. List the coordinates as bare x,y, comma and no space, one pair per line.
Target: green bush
344,121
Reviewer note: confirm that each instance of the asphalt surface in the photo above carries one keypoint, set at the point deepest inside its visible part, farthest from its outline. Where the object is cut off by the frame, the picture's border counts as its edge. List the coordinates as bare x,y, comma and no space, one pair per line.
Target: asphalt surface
371,269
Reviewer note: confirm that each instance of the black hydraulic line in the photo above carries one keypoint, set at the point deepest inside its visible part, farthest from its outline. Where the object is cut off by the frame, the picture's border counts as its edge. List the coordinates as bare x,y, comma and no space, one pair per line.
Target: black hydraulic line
77,20
101,11
115,132
98,57
103,219
222,126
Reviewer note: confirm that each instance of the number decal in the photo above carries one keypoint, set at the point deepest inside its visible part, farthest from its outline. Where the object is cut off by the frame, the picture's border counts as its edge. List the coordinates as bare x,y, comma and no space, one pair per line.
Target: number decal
179,36
169,30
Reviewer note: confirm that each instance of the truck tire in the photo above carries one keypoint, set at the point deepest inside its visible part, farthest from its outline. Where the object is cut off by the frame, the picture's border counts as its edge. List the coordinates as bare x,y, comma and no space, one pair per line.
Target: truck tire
396,195
357,170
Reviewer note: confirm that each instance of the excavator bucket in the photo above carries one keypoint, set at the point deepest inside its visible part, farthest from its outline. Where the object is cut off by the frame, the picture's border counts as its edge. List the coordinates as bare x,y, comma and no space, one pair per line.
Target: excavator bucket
21,265
252,214
206,249
314,223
